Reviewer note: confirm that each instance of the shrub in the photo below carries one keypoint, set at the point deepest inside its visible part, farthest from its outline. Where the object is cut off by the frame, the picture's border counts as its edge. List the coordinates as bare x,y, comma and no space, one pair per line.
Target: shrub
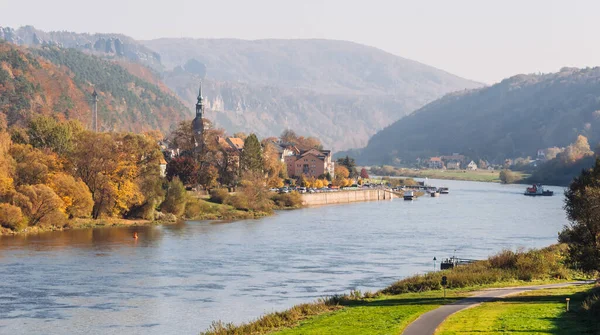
504,266
287,200
11,217
238,201
219,195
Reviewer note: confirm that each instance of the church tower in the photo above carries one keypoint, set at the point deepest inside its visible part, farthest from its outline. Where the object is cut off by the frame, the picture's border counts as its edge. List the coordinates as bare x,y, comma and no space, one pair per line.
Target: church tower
198,123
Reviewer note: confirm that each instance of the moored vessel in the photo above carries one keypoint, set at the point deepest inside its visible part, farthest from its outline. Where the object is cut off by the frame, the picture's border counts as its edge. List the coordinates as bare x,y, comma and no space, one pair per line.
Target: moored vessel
538,189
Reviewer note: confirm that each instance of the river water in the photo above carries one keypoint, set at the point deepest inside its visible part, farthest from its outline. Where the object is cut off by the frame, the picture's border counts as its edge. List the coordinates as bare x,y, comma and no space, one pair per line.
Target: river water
178,279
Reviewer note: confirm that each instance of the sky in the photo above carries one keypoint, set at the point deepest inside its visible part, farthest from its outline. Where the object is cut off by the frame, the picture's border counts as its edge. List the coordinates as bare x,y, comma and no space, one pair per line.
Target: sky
482,40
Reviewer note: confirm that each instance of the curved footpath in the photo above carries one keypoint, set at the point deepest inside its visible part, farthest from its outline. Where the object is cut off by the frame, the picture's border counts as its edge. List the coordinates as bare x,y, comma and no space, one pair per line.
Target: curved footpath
427,323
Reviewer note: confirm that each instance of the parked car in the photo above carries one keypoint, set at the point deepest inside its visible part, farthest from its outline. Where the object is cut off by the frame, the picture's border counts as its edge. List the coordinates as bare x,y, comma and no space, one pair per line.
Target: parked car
301,189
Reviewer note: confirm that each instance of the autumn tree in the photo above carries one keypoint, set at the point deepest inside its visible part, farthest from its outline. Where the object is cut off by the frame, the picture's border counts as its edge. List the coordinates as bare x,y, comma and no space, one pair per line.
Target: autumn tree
583,233
288,136
40,204
75,195
579,149
251,158
33,165
256,195
184,168
349,164
508,177
364,174
273,166
11,217
208,177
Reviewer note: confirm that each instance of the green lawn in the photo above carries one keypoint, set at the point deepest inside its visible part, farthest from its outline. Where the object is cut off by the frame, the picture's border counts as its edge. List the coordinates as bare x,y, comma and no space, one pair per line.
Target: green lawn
386,315
535,312
477,175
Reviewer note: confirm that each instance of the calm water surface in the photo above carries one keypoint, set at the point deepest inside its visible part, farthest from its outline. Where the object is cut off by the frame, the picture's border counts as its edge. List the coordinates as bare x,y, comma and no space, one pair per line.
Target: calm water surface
177,279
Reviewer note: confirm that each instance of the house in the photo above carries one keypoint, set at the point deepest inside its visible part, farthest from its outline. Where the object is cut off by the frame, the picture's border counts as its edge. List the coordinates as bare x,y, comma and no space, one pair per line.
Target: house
472,166
285,149
453,165
163,167
435,163
310,163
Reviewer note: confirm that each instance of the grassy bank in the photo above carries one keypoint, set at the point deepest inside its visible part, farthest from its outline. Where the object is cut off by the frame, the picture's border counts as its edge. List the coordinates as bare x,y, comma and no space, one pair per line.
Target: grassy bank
533,312
477,175
393,308
84,224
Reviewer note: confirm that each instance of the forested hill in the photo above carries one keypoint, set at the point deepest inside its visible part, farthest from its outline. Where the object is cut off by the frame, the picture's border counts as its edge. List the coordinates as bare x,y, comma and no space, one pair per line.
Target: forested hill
341,92
513,118
54,81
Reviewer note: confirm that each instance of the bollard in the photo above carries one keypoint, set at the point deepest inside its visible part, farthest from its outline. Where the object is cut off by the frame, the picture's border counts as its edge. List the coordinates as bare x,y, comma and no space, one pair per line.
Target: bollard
568,299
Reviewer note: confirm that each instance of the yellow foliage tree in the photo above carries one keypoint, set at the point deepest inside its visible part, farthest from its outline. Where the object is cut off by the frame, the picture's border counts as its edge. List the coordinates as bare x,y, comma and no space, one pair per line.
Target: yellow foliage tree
74,193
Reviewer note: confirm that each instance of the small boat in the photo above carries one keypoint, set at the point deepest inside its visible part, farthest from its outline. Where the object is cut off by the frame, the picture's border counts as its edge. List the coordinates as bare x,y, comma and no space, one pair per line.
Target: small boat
435,194
409,195
538,189
444,190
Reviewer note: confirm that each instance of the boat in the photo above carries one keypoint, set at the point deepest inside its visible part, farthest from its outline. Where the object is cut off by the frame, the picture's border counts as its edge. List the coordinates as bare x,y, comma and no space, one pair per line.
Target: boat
444,190
409,195
435,194
538,189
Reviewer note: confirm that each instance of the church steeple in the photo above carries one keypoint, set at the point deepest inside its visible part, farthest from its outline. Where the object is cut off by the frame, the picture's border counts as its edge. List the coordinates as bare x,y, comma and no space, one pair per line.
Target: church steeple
198,123
200,104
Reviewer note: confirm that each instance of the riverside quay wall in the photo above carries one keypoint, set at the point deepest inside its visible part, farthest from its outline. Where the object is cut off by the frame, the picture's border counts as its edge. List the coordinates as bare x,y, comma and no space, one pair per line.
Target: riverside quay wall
345,197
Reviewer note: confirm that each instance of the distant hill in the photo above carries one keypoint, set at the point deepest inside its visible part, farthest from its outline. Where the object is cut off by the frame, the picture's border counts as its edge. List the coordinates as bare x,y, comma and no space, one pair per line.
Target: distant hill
54,81
106,45
341,92
513,118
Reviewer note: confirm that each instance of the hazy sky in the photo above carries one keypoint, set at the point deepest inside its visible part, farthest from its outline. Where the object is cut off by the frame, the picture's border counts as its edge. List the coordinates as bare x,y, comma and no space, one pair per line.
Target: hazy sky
477,39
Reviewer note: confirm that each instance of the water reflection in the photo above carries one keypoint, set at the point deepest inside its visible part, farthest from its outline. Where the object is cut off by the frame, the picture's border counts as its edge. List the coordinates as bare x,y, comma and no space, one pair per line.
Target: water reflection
179,278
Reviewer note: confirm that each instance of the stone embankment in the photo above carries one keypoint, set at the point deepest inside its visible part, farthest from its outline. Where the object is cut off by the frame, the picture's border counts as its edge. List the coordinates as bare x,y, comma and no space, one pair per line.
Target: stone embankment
345,197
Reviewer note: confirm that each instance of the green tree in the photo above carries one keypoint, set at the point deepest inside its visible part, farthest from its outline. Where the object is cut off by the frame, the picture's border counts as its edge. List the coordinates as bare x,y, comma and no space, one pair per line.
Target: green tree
349,164
175,198
251,158
583,210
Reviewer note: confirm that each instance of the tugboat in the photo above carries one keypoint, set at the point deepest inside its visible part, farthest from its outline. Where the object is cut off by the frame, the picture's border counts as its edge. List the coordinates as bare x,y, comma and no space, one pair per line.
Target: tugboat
538,189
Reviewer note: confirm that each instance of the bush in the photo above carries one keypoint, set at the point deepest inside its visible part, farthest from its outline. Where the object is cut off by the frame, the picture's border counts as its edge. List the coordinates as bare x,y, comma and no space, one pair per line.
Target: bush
175,198
238,201
504,266
287,200
219,195
11,217
508,177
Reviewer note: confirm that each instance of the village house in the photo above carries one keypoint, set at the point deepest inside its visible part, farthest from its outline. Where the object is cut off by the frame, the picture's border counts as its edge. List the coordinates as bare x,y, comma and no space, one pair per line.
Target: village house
310,163
472,166
435,163
453,165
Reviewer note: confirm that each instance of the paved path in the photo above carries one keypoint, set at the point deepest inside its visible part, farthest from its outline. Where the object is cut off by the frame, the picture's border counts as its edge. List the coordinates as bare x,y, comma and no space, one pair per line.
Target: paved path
427,323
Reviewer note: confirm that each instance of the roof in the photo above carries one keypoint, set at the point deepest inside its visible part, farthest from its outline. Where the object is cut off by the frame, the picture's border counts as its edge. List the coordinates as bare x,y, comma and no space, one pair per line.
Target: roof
435,159
238,143
163,161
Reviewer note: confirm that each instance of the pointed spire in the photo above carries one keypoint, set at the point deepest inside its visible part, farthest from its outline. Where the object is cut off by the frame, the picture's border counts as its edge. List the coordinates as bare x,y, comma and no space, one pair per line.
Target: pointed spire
200,93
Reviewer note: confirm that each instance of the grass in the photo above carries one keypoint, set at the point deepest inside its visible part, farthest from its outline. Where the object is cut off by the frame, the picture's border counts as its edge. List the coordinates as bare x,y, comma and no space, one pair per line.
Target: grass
393,308
534,312
476,175
383,315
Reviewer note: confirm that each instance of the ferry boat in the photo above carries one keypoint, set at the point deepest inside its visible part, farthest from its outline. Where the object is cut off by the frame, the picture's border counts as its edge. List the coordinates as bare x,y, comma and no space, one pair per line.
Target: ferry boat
538,189
409,195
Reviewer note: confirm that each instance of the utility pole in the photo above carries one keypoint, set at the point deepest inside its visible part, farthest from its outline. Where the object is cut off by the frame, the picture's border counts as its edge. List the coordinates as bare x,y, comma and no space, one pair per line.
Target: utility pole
95,111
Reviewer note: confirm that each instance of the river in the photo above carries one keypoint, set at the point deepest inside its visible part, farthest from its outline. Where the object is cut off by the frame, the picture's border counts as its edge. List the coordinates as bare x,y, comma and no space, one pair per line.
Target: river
178,279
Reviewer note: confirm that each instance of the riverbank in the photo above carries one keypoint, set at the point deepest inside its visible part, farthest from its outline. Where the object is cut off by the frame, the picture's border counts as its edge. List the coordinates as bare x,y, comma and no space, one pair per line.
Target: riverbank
393,308
199,210
465,175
